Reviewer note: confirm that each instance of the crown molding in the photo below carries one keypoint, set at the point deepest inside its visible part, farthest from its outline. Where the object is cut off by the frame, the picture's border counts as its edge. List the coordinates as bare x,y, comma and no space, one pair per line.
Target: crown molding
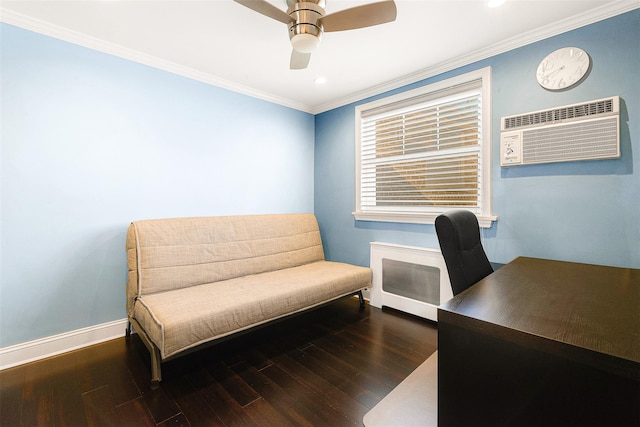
61,33
598,14
607,11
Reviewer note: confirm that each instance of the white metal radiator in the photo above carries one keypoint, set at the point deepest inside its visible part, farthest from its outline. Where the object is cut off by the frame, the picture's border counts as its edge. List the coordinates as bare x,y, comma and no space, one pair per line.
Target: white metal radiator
409,278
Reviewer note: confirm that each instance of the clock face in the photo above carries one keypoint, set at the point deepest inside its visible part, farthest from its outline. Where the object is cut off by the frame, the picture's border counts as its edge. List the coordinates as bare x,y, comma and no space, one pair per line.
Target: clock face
563,68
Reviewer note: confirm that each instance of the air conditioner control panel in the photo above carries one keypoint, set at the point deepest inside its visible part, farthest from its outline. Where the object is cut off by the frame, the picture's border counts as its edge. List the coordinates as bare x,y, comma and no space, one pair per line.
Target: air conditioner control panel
511,148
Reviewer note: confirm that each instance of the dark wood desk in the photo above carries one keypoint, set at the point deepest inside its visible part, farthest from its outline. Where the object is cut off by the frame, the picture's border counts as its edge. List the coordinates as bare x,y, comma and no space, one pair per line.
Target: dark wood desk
542,343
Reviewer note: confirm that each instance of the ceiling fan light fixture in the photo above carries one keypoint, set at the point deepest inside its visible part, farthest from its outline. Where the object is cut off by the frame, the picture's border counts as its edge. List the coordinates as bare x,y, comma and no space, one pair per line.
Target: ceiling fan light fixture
307,21
305,43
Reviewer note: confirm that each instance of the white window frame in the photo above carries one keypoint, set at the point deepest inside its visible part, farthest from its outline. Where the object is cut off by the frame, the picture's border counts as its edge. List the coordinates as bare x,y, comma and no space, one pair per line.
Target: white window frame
484,214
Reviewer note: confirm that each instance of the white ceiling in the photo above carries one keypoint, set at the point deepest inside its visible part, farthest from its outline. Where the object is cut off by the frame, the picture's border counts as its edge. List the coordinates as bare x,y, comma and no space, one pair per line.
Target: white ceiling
226,44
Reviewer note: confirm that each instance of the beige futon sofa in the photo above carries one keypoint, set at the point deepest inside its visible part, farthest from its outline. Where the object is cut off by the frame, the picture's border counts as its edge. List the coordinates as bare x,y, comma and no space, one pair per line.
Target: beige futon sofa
195,280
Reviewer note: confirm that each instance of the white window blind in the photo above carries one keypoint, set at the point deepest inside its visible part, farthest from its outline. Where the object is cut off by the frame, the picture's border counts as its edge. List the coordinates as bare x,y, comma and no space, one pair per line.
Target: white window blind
422,154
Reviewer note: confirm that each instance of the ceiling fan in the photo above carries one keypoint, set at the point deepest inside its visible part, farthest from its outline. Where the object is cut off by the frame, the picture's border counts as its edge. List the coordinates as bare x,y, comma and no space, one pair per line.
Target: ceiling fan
307,21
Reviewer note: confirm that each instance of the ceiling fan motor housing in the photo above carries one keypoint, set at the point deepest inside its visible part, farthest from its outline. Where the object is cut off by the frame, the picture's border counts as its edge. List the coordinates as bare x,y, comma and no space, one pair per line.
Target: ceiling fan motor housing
306,30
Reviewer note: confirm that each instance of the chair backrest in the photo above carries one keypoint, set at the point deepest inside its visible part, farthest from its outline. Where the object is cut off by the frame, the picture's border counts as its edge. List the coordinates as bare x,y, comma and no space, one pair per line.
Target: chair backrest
459,236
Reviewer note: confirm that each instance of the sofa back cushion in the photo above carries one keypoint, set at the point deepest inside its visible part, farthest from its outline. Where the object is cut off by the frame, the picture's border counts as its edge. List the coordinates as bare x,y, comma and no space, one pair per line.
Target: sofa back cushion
167,254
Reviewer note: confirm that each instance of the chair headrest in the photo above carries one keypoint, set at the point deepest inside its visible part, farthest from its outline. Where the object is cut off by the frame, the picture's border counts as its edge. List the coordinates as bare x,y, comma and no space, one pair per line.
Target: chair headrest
462,226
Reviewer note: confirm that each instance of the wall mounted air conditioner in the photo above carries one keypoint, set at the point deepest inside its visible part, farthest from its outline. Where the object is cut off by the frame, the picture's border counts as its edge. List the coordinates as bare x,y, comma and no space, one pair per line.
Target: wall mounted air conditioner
584,131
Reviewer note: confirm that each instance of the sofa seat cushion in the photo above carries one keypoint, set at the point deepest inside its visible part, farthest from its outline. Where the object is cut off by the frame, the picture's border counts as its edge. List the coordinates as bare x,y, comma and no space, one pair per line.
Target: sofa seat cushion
184,318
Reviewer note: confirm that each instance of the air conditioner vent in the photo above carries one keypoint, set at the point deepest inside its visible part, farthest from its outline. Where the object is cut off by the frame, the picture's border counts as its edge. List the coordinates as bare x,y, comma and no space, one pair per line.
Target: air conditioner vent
585,131
576,141
577,111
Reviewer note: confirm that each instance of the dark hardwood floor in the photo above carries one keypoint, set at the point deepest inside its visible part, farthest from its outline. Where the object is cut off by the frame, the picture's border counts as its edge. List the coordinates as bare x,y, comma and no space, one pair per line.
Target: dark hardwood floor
327,367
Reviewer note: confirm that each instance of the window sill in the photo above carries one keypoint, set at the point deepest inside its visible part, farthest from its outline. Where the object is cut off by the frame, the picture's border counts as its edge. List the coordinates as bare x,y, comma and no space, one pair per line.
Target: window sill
414,218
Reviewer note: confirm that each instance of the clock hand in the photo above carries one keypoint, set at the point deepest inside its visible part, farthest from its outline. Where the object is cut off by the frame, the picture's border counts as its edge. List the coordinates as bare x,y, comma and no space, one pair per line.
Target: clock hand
554,72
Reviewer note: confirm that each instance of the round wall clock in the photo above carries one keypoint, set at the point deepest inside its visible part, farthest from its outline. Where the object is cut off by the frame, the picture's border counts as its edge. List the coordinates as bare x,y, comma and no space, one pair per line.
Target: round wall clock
563,68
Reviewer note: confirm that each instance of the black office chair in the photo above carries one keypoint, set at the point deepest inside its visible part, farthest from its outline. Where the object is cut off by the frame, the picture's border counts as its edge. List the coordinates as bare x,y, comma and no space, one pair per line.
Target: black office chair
459,236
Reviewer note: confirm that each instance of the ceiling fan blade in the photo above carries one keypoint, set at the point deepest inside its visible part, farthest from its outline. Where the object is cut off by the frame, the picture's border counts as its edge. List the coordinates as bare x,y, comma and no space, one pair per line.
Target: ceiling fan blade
267,9
360,16
299,60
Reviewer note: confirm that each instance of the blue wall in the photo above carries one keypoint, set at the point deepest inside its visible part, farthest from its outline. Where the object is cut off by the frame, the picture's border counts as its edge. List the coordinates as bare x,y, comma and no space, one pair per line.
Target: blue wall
91,142
583,211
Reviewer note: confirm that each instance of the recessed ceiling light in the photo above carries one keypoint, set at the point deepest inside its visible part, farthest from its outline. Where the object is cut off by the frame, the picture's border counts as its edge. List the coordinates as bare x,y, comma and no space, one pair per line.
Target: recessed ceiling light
496,3
320,80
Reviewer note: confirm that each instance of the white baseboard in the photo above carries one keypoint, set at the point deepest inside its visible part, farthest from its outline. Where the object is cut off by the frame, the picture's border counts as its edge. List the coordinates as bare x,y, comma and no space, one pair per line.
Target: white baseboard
50,346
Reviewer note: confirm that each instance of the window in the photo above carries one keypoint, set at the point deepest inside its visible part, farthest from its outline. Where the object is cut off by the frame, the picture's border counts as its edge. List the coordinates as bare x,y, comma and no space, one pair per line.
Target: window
426,151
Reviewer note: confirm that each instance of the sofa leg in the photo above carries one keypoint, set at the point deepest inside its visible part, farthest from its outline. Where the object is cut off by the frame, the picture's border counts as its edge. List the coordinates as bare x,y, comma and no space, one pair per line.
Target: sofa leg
127,332
156,372
361,297
156,360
